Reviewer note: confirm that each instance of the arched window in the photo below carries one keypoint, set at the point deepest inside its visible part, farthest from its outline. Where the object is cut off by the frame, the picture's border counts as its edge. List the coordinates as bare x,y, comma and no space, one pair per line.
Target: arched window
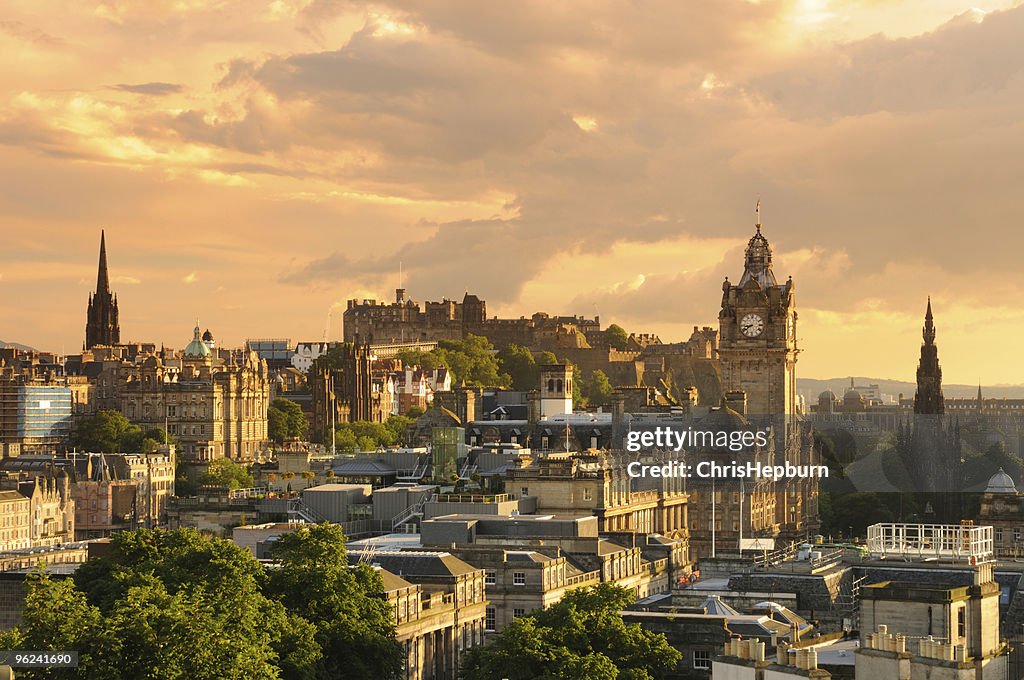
559,384
551,385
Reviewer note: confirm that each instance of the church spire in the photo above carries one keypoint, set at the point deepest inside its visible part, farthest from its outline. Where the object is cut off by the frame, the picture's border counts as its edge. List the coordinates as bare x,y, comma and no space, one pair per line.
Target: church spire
102,326
102,279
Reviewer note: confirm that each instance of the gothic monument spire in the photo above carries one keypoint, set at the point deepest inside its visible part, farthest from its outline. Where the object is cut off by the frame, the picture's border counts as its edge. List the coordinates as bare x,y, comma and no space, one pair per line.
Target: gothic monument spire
101,325
928,399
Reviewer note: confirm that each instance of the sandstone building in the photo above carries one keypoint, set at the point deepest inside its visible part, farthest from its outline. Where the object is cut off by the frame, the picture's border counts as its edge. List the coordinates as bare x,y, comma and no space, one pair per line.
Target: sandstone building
214,407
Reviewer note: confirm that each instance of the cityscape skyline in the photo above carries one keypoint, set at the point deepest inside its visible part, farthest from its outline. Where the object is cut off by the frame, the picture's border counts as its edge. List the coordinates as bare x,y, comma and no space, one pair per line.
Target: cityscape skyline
255,168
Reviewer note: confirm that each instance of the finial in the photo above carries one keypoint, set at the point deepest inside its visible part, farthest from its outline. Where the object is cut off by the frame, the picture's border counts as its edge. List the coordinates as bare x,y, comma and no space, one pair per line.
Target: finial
757,211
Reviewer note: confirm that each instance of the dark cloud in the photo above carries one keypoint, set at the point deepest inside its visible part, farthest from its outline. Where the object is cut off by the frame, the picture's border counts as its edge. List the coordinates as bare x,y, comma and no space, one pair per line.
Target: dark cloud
155,89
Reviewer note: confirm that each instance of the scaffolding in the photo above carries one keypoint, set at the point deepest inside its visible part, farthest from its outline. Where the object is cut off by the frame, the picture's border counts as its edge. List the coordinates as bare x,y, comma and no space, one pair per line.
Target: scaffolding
948,542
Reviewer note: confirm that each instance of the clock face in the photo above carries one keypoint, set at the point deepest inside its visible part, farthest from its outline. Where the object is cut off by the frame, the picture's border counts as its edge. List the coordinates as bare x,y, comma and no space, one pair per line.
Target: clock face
752,325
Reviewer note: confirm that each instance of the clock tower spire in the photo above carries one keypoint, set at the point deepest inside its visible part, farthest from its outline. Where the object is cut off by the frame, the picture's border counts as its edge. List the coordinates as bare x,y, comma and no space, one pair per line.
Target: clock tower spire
757,329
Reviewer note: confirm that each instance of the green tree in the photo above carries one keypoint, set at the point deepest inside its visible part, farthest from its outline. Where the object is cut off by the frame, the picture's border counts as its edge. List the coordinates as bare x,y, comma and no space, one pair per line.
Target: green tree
583,636
597,389
518,363
107,432
617,337
286,420
471,359
353,620
398,426
58,617
415,412
345,440
226,472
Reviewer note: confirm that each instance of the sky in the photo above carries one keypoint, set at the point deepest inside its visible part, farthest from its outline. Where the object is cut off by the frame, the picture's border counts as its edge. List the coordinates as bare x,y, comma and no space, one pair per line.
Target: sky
255,164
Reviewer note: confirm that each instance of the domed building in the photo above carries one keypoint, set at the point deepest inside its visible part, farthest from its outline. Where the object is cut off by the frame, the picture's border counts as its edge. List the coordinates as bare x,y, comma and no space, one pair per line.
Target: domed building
1002,507
214,404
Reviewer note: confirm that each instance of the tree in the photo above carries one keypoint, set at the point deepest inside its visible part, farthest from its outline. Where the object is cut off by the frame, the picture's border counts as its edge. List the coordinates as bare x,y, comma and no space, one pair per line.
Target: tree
617,337
226,472
415,412
286,420
583,636
597,389
353,621
107,432
471,359
167,604
398,426
521,367
57,616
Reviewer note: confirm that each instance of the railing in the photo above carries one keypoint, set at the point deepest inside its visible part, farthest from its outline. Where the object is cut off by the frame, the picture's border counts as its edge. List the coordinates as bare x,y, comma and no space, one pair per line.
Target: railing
297,507
407,514
473,498
923,541
251,492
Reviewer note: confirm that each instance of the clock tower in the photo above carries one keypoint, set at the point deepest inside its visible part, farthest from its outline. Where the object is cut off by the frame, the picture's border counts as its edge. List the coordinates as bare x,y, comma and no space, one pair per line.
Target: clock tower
757,347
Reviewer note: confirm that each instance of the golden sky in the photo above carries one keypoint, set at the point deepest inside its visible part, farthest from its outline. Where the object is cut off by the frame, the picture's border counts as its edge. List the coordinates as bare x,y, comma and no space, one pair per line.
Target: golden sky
257,163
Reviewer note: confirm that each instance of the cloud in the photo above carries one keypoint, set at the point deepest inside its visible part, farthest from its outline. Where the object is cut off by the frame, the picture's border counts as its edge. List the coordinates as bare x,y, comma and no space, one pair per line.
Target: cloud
157,89
190,278
30,34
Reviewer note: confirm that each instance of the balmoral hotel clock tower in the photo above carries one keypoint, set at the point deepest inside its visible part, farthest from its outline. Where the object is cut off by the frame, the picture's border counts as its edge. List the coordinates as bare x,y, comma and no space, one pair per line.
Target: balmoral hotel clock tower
757,343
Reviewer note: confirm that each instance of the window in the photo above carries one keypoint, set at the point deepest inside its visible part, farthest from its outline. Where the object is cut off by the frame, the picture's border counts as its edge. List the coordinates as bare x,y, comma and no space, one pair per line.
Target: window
525,491
588,493
1016,535
701,660
490,577
518,613
490,619
999,535
519,578
961,622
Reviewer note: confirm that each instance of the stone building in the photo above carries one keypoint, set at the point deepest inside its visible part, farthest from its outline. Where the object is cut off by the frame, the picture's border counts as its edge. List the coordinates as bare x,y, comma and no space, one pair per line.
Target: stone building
439,607
51,507
757,346
598,484
102,326
344,381
1002,508
214,408
407,321
532,561
14,521
953,632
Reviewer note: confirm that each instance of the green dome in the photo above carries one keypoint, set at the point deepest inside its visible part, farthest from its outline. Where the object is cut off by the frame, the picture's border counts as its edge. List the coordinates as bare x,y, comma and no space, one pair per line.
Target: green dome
197,348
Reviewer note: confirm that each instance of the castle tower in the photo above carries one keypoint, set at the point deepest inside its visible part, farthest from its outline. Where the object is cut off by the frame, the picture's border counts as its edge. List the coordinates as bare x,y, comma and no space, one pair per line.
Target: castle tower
101,326
555,390
928,399
757,337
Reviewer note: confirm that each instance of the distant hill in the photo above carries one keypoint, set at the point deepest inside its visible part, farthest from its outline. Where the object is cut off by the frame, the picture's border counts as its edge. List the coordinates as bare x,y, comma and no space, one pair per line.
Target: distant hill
17,345
812,387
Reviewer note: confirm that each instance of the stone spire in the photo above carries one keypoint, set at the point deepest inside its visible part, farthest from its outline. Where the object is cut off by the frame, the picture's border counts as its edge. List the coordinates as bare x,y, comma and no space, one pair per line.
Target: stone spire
102,278
929,399
101,325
